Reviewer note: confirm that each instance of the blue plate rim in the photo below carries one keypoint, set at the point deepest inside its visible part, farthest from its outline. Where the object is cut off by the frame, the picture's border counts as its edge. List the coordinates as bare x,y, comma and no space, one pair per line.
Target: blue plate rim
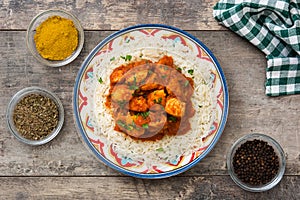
129,172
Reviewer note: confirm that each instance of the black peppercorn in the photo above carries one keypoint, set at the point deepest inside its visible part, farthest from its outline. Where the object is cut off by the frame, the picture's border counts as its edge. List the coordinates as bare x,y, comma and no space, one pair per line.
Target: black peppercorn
255,162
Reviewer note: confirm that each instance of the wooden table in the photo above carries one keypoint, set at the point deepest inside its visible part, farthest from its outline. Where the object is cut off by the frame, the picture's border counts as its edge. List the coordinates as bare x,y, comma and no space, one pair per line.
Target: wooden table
65,169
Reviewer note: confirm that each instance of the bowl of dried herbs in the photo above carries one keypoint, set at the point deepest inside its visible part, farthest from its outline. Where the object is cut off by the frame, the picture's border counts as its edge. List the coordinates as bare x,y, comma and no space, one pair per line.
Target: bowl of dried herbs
35,115
256,162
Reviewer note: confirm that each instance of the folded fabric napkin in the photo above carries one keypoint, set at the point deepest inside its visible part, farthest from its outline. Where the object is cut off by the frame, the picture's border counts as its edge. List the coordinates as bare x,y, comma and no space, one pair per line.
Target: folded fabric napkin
274,27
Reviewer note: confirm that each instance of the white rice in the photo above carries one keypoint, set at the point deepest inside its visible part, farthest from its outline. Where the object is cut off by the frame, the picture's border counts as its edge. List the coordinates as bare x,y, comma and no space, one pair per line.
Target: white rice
170,148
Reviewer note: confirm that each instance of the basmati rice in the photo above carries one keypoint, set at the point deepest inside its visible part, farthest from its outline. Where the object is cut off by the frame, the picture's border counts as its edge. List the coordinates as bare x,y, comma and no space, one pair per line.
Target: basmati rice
169,148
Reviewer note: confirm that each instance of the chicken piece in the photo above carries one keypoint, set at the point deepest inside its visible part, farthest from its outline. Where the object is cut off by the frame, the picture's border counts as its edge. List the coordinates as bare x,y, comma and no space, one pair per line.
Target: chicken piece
179,86
156,97
138,104
135,77
117,74
163,69
150,86
142,63
175,107
163,73
152,82
158,120
127,125
166,60
141,120
121,93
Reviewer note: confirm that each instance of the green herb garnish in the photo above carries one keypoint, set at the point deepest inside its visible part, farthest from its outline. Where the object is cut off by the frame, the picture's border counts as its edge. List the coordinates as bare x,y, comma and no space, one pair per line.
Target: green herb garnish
145,114
124,125
191,71
121,123
134,85
158,101
186,83
160,149
121,103
127,57
112,59
134,94
172,119
100,80
145,126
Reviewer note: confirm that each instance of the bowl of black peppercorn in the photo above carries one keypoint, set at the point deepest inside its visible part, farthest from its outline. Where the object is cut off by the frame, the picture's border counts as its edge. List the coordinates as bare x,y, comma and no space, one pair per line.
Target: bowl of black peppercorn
256,162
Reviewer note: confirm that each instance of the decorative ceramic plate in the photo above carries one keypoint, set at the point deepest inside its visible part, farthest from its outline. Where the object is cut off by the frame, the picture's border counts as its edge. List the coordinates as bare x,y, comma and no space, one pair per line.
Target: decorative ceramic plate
146,41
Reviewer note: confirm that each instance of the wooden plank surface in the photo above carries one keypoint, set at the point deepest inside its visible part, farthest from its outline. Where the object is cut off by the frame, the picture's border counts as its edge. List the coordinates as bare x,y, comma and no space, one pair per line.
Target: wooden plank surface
114,14
250,110
65,169
176,188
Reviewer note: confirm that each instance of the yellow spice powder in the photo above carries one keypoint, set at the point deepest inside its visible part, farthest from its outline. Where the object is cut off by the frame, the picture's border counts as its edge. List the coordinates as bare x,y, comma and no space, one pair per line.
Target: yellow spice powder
56,38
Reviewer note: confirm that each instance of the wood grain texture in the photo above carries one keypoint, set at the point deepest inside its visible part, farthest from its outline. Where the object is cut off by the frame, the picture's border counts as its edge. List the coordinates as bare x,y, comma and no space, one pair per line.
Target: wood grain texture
178,188
65,169
250,110
115,14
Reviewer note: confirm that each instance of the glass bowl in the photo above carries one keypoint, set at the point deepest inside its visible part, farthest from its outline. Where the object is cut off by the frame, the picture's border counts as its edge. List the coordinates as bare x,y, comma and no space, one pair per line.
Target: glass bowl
17,98
37,20
270,142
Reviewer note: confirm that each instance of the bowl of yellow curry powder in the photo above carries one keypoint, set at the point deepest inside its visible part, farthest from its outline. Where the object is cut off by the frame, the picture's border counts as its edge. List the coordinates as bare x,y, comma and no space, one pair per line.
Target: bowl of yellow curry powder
55,37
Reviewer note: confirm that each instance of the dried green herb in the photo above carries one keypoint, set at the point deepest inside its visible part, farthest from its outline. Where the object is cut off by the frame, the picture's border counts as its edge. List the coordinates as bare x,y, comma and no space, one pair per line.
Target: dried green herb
35,116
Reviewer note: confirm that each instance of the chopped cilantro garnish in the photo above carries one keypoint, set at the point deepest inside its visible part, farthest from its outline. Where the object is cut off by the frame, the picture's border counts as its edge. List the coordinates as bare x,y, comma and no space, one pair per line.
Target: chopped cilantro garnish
134,94
172,118
191,71
145,114
100,80
158,101
122,103
121,123
186,83
145,126
160,149
127,57
112,59
134,85
124,125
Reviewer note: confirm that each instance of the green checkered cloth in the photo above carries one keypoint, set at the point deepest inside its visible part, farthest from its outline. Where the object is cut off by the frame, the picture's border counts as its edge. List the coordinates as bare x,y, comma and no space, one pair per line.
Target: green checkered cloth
274,27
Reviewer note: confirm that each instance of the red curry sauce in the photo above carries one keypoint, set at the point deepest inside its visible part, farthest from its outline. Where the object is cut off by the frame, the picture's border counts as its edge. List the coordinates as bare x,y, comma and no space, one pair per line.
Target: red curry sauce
149,100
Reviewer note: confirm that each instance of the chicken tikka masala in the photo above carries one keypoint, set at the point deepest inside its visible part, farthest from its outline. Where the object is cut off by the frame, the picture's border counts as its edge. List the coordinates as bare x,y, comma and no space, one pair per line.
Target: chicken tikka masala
151,99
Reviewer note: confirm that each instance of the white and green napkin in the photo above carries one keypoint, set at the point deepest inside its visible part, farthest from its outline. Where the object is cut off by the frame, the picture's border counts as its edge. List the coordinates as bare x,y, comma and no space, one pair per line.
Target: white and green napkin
274,27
